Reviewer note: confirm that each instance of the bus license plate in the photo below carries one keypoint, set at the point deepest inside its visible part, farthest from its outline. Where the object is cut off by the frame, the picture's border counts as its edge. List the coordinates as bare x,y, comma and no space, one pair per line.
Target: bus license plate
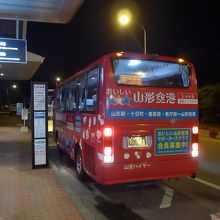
137,142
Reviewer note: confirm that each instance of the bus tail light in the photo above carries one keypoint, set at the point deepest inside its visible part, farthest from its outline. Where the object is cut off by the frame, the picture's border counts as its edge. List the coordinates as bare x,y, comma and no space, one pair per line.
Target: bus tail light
195,139
107,151
108,156
108,132
195,129
195,150
108,145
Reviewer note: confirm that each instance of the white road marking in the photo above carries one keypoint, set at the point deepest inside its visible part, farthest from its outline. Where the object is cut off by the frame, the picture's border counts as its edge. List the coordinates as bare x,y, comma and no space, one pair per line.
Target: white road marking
215,216
167,198
207,183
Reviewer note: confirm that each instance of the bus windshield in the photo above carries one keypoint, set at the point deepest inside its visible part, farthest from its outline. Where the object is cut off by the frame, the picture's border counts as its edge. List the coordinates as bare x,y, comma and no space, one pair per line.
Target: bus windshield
140,72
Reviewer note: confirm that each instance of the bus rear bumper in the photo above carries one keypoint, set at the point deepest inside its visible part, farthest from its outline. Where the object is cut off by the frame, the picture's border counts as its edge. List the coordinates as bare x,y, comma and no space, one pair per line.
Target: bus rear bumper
133,172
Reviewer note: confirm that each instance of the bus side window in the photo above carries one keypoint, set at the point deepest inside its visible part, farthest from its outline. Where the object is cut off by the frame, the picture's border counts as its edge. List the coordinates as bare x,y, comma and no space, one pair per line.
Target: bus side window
66,97
60,99
72,96
77,93
92,91
82,92
57,100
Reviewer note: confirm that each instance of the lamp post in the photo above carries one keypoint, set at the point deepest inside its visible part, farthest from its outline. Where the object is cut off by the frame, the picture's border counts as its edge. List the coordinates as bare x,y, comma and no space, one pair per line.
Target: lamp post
125,17
14,86
10,88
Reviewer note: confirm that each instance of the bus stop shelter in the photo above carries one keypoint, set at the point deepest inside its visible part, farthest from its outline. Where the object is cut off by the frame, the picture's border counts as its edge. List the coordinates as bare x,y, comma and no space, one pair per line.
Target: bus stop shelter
19,12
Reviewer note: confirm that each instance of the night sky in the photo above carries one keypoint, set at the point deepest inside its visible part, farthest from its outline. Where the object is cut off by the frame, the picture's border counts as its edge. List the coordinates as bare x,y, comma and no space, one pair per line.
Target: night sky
187,29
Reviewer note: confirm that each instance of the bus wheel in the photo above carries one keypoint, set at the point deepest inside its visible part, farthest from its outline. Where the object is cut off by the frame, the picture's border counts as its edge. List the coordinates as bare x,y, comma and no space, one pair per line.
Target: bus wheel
79,166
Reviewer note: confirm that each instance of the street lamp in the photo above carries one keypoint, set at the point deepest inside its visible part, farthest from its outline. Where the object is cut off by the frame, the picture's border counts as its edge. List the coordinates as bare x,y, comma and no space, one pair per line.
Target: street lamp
58,79
125,17
9,96
14,86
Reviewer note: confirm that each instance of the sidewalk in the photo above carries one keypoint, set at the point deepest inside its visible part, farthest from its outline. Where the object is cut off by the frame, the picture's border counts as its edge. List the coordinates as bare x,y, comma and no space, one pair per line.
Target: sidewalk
26,193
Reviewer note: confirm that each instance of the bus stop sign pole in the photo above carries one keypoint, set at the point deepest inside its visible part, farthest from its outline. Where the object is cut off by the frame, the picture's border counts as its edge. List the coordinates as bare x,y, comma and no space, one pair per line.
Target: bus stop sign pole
39,125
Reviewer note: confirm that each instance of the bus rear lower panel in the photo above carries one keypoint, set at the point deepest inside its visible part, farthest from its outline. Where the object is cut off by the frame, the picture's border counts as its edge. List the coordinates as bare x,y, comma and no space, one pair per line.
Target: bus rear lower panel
124,173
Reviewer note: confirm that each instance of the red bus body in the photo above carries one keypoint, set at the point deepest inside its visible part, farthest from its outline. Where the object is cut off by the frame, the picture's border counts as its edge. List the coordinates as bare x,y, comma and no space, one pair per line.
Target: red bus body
137,130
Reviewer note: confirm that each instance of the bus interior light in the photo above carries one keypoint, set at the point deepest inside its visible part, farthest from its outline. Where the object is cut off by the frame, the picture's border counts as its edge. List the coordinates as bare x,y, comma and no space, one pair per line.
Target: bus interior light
108,132
195,150
134,62
195,129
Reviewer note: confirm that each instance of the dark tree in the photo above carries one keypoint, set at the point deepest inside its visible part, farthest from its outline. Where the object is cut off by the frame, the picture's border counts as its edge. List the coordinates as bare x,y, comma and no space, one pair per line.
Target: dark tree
209,104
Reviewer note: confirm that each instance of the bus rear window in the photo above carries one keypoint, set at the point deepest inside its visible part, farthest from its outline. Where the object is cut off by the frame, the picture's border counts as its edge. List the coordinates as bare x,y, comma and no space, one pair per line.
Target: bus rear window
150,73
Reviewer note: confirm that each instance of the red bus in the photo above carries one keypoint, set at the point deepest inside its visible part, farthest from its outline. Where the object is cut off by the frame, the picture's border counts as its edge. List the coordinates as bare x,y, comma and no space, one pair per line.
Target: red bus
130,117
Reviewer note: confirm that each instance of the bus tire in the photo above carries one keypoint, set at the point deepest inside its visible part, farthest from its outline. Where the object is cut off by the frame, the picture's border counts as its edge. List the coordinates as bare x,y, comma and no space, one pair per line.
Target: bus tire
79,166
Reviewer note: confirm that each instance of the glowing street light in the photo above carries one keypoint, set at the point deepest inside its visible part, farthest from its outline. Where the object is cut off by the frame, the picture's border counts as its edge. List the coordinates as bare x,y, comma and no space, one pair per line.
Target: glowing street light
14,86
58,79
125,17
9,90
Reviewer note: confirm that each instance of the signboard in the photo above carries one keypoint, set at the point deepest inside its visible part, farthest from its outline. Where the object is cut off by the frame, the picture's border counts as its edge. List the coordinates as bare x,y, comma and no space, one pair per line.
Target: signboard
19,108
40,126
40,151
24,114
172,141
13,50
39,97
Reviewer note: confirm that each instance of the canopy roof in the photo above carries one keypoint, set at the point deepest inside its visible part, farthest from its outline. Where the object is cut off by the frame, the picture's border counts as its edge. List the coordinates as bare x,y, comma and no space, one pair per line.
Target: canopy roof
53,11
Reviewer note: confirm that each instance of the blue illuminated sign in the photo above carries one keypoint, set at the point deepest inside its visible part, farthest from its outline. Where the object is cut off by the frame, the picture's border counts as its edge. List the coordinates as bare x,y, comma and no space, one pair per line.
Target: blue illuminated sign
172,141
13,50
151,114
